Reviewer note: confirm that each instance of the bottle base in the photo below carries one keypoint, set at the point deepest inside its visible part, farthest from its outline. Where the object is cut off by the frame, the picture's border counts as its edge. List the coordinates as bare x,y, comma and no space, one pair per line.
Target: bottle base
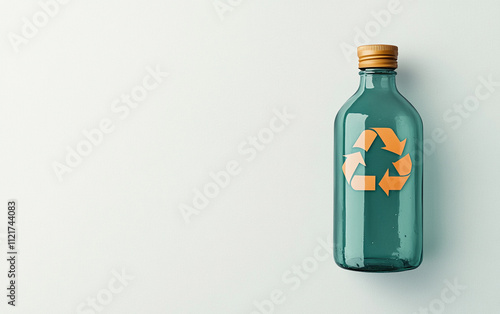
377,265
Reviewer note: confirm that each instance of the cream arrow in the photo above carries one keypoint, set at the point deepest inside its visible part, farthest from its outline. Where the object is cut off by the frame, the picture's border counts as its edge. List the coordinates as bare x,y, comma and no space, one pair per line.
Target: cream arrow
351,163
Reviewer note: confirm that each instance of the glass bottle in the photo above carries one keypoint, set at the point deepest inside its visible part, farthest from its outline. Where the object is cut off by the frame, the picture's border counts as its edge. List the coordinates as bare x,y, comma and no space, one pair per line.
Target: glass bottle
378,171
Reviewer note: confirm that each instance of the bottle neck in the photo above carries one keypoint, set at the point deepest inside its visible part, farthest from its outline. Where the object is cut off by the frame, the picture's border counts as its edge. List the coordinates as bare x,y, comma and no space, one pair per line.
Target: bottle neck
377,79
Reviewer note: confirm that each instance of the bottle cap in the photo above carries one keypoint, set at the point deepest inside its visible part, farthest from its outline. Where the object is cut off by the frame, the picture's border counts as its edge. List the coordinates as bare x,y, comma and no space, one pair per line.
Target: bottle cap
378,56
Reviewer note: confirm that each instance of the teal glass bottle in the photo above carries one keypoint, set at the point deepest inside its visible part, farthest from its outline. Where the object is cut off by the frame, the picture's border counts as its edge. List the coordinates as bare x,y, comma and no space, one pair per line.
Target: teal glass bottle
378,167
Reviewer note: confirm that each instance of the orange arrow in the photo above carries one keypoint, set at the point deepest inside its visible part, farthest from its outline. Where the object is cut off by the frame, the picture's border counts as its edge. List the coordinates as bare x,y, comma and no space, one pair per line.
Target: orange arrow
391,140
351,163
365,140
363,183
403,166
392,183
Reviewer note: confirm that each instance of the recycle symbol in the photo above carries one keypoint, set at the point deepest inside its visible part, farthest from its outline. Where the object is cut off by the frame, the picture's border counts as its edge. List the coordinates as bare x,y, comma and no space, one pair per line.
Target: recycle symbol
392,144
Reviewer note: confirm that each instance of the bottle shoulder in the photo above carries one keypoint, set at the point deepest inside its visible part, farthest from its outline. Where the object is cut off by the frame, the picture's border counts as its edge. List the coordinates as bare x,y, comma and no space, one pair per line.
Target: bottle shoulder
379,105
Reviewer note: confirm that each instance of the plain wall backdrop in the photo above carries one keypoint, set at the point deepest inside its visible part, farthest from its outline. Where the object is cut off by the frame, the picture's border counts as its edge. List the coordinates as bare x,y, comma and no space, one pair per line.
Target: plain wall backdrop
177,156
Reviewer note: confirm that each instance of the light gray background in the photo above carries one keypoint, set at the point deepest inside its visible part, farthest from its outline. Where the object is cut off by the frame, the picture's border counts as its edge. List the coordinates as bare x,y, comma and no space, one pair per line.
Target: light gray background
119,209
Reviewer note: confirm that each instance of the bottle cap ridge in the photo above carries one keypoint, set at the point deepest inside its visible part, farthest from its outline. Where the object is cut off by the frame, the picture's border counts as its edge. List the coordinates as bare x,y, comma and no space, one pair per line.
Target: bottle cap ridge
378,56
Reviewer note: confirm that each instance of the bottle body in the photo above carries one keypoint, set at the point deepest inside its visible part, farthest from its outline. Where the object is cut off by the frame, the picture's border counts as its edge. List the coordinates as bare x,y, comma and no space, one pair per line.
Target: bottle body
378,167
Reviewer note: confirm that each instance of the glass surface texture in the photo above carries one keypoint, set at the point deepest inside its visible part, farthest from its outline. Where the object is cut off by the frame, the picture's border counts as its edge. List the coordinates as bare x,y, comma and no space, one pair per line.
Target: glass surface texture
378,167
